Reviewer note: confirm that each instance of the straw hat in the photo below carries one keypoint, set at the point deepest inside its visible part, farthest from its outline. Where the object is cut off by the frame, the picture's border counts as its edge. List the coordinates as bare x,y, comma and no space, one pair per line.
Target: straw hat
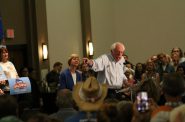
89,95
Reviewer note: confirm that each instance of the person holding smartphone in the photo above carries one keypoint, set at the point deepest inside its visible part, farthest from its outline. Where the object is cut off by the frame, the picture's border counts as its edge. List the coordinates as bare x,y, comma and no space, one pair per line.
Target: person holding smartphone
143,107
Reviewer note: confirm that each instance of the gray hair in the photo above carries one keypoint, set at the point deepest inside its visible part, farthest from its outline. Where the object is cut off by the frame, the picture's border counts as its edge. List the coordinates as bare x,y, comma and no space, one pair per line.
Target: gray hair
64,98
113,46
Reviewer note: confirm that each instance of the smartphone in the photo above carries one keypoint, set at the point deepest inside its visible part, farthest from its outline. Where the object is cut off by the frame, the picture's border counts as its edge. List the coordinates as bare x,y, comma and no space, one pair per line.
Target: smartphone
142,101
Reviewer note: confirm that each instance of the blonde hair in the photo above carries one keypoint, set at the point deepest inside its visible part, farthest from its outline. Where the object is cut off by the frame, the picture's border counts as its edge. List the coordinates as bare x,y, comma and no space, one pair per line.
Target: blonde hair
71,57
178,113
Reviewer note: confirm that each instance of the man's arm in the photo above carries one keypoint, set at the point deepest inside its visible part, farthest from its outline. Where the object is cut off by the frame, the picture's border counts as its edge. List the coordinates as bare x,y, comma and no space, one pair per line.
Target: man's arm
87,61
96,64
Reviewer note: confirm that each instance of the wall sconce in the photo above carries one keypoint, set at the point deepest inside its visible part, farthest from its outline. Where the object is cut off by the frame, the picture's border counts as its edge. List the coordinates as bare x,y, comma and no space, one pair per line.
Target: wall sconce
90,47
45,51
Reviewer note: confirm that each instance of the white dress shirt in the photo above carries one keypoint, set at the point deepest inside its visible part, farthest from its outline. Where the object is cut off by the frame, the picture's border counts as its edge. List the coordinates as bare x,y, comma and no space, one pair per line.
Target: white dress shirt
110,71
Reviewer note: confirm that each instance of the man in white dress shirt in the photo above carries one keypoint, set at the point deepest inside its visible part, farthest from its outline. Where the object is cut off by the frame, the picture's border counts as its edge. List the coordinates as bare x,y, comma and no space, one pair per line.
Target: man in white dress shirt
110,68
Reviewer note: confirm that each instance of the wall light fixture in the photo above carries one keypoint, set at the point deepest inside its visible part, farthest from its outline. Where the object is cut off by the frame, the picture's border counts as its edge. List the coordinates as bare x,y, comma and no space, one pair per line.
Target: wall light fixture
90,47
45,51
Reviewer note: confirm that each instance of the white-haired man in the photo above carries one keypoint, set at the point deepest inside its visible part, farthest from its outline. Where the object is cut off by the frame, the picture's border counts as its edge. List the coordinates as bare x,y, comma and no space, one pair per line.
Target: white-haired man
110,68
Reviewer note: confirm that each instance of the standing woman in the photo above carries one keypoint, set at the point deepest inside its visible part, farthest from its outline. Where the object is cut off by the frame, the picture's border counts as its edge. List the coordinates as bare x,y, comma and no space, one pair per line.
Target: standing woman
70,76
7,66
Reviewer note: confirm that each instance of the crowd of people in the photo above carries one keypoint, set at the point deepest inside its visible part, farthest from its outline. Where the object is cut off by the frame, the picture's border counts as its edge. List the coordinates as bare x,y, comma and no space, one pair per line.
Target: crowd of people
106,89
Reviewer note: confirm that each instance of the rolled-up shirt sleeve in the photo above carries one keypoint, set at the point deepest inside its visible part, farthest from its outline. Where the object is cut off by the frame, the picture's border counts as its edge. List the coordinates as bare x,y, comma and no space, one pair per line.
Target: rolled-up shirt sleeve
99,64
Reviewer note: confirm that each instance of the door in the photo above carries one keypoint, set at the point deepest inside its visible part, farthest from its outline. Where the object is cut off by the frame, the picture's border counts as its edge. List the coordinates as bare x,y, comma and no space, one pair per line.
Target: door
18,56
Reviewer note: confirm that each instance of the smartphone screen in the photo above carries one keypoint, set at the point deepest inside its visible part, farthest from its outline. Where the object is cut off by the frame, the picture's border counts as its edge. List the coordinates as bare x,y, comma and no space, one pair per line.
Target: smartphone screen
142,102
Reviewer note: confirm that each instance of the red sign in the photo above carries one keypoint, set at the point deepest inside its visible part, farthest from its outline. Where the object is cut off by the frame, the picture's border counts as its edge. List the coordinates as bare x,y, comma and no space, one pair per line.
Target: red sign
10,33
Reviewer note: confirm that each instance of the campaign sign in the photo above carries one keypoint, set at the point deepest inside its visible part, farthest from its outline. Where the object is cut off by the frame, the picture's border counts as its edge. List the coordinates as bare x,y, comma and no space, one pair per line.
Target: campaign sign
2,74
19,85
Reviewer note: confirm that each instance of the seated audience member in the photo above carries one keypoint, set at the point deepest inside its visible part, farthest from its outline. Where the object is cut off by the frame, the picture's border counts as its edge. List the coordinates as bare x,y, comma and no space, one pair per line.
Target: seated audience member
10,119
155,59
175,60
127,63
41,117
108,113
143,116
179,52
125,111
89,97
86,71
126,58
111,100
151,73
139,70
182,65
8,106
130,66
181,70
129,84
173,87
152,90
130,77
70,76
164,66
65,104
178,114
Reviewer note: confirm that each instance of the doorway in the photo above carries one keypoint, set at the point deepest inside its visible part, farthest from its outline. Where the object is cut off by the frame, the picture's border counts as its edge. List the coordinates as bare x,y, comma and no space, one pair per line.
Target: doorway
18,56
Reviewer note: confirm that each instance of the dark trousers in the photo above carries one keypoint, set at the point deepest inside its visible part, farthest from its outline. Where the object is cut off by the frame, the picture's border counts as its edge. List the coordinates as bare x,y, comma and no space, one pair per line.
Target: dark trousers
49,103
112,94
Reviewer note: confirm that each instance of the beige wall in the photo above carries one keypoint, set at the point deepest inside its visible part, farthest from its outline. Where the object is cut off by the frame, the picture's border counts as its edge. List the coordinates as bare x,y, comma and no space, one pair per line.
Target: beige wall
146,27
64,30
13,17
103,25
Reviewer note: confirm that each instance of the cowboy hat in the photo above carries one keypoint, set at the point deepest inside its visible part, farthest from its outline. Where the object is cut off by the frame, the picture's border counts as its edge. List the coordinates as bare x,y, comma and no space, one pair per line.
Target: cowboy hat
89,95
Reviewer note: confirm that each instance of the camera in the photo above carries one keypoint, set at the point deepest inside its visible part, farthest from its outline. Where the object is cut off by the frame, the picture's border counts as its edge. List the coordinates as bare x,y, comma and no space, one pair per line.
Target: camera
142,101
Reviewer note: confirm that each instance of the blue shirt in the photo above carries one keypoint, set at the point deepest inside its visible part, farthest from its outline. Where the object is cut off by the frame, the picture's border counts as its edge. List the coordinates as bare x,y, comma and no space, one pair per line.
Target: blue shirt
82,116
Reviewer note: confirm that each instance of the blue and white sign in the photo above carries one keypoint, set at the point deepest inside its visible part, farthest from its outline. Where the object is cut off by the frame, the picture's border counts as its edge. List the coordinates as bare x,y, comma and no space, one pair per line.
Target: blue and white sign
19,85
